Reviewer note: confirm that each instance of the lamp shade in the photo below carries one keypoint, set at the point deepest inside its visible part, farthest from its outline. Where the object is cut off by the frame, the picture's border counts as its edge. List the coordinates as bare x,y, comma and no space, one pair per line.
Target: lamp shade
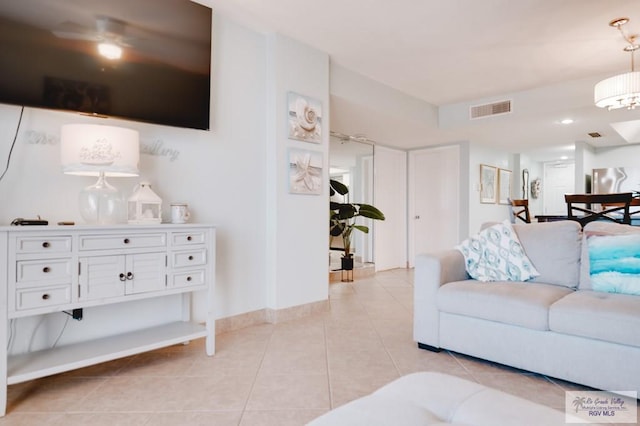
620,91
91,149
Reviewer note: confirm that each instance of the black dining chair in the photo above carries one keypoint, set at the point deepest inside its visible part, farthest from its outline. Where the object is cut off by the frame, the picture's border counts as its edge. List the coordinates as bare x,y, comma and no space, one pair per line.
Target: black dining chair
611,207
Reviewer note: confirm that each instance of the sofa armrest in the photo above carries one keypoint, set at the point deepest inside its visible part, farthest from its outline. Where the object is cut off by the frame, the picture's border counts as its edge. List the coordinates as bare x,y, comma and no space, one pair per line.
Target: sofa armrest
431,272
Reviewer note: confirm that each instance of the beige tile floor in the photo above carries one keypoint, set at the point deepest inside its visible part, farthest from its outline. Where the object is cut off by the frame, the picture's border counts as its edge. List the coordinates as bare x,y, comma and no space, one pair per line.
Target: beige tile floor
272,374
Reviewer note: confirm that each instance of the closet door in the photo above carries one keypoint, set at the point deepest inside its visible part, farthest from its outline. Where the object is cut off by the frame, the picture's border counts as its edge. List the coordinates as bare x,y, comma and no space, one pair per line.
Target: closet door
434,200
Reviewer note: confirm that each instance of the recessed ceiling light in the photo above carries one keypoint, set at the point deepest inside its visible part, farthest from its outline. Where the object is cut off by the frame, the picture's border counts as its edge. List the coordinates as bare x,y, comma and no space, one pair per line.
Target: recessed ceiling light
566,121
564,157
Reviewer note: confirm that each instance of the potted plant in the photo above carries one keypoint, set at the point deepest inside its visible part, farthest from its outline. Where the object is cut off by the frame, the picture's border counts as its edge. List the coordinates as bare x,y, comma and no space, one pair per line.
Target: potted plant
342,220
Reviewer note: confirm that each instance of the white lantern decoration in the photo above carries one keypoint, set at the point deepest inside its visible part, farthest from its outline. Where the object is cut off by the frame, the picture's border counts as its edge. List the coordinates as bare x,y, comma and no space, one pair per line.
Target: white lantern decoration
145,207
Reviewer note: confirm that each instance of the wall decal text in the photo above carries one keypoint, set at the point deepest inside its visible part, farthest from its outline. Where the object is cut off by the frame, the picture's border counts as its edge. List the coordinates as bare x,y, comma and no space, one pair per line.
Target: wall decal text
41,138
156,148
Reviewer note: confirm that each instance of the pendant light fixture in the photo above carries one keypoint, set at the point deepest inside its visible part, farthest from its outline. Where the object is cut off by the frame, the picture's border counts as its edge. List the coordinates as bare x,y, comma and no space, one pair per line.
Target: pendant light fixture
622,90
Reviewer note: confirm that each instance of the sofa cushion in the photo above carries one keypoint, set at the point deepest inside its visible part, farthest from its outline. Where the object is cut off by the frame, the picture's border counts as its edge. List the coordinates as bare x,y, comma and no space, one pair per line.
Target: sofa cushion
596,315
599,228
554,249
495,254
515,303
615,263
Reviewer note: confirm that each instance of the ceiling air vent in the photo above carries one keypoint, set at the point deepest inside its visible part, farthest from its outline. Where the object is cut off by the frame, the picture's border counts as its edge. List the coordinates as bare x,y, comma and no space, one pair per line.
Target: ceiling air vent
496,108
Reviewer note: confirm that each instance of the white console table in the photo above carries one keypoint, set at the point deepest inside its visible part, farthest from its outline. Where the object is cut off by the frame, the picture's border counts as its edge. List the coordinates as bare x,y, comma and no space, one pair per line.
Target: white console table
47,269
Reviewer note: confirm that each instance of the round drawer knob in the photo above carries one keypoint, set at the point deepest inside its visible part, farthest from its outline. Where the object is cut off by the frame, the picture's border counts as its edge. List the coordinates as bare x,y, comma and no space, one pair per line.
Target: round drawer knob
122,277
190,257
46,269
45,296
126,241
129,275
188,278
189,238
46,244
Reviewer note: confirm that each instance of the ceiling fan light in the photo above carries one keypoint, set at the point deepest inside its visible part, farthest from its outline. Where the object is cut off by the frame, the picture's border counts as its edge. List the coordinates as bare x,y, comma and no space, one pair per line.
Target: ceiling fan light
110,50
620,91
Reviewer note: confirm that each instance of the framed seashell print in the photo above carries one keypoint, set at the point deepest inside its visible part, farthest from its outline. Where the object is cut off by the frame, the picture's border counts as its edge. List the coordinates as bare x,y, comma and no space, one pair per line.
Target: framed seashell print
305,171
305,118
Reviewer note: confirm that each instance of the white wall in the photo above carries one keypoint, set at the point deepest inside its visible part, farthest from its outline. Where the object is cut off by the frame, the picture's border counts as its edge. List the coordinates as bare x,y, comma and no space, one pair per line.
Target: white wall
480,213
585,157
388,116
223,173
297,225
619,156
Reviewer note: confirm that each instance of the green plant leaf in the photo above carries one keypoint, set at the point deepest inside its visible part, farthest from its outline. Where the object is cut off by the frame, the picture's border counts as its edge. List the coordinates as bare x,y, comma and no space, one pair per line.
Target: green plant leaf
369,211
346,211
362,228
336,230
339,187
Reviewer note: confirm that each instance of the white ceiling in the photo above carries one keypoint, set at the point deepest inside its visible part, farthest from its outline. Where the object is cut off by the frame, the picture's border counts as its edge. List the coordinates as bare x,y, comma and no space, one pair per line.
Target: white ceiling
546,55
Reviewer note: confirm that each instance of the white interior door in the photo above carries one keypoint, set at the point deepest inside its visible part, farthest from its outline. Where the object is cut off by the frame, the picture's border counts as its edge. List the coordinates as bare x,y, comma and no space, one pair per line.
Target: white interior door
434,200
559,179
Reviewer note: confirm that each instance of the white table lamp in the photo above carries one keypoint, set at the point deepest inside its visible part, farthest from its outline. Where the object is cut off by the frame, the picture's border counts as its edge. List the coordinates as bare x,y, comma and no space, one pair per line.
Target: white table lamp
98,150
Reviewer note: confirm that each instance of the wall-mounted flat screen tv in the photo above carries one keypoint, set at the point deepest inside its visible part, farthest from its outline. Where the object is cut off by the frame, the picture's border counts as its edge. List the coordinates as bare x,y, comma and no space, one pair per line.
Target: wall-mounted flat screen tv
144,60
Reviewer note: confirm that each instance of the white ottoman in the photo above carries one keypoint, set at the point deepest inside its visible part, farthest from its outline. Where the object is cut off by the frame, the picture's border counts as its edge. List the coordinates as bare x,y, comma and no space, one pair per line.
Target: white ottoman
437,399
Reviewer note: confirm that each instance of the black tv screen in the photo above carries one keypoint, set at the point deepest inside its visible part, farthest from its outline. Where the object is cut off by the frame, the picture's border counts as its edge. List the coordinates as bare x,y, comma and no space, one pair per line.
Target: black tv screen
49,58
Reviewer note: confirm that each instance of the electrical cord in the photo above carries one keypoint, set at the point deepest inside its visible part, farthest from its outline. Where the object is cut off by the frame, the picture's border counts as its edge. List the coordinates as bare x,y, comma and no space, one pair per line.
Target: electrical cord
13,144
12,332
40,323
64,327
35,331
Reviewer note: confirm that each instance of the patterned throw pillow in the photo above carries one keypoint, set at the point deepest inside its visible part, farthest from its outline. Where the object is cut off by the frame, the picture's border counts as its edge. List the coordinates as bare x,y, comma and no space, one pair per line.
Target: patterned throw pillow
495,254
614,262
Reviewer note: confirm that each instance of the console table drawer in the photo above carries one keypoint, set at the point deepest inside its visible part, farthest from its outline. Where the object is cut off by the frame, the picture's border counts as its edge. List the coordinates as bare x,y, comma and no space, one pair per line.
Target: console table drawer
43,270
190,278
101,242
188,238
31,298
43,245
189,258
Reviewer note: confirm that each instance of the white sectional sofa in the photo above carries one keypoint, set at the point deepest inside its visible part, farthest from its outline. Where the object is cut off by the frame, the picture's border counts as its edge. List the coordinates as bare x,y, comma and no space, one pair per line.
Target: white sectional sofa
554,324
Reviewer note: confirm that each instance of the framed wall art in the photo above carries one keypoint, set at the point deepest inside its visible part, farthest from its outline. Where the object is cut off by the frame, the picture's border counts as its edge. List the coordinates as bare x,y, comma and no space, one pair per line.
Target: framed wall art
305,118
488,184
305,172
504,183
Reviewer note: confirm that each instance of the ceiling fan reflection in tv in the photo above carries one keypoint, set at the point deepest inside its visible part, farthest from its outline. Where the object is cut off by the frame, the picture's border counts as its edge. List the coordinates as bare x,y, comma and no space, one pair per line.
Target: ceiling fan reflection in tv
108,34
109,58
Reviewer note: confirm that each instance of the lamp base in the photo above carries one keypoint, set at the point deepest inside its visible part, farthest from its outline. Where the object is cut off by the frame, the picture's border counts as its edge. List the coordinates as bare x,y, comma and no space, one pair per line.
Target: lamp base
101,203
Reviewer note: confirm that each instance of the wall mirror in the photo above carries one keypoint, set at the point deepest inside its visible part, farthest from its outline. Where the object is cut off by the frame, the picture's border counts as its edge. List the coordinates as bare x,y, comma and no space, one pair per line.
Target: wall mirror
351,162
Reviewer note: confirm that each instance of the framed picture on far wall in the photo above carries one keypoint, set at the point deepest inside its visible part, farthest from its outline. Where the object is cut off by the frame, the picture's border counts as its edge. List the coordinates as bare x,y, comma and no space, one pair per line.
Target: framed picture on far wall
504,183
488,184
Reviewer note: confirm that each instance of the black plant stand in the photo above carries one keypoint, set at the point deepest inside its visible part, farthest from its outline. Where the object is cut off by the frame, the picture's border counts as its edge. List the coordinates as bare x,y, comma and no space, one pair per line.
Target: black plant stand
346,273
